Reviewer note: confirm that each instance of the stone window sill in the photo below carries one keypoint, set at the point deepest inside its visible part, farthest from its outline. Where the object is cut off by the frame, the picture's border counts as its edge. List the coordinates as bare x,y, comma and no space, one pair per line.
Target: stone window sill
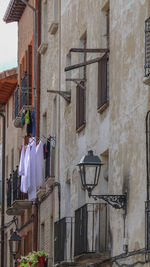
42,48
146,80
53,27
103,107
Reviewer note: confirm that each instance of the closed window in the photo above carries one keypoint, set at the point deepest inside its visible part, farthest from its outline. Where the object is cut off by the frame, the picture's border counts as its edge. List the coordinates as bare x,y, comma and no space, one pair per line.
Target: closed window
80,107
102,81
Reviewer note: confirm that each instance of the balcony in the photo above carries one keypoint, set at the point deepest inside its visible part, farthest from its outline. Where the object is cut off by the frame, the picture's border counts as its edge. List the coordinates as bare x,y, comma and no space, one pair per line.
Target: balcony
63,241
16,201
22,99
91,233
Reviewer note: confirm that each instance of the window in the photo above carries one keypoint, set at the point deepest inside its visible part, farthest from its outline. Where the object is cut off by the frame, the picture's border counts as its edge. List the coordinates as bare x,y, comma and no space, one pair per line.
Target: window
12,160
80,89
102,82
80,107
103,64
68,73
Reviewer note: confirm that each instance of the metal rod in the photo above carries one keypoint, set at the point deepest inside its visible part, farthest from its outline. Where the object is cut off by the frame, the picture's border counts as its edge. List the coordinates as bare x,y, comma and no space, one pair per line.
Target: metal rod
27,4
3,193
76,66
89,50
147,154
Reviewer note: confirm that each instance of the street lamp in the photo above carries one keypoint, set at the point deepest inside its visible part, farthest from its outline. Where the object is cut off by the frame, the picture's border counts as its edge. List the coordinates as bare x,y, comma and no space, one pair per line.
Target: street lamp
14,244
89,168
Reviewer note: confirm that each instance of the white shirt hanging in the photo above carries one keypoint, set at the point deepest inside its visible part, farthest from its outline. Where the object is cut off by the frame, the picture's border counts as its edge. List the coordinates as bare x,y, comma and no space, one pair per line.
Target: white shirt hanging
21,164
32,188
39,165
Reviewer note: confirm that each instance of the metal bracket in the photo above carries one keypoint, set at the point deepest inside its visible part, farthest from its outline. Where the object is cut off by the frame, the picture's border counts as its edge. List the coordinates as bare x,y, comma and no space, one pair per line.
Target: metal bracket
116,201
64,94
78,82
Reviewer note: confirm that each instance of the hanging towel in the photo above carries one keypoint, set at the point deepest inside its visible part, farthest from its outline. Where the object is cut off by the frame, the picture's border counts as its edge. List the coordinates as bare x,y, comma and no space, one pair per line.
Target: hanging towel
27,117
25,179
32,188
39,165
22,120
21,164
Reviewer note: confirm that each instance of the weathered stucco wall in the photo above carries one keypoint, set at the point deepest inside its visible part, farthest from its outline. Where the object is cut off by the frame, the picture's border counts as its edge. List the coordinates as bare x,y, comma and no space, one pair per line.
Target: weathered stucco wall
129,102
25,31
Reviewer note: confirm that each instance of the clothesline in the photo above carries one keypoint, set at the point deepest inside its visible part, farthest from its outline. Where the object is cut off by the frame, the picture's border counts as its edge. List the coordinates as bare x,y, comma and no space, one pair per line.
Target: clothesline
42,138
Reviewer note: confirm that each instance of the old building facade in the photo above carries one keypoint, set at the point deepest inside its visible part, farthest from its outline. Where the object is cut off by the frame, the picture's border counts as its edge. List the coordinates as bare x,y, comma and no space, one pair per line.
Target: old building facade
92,94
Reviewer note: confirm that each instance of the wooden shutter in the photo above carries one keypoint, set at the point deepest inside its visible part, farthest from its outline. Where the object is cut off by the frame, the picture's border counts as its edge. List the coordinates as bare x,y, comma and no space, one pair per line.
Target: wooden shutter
80,107
102,81
30,73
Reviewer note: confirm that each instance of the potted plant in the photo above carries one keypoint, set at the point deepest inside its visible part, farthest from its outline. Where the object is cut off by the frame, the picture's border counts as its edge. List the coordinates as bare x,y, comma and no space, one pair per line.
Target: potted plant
39,257
35,258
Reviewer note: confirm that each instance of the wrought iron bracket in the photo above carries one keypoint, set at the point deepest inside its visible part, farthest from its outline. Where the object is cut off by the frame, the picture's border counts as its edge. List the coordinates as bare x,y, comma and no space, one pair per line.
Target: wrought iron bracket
116,201
65,94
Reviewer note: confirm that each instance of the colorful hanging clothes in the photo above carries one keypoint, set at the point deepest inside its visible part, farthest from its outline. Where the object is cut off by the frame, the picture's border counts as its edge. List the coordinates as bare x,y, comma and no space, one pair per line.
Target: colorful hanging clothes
27,117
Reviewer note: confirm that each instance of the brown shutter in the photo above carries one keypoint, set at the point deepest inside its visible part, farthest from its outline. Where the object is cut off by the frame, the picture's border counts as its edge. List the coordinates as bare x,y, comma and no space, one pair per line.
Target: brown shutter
102,81
80,107
77,107
30,73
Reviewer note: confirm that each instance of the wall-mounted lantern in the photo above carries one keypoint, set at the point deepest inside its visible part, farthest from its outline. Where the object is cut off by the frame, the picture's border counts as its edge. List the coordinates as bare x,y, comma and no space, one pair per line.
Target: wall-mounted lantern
14,243
90,167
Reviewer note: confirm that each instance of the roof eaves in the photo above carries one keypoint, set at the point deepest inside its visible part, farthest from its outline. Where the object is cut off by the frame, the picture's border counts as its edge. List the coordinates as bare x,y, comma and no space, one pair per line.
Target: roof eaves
14,11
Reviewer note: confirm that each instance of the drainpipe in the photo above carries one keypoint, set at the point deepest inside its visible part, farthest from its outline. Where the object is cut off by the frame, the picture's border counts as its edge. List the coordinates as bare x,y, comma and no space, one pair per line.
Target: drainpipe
147,152
3,192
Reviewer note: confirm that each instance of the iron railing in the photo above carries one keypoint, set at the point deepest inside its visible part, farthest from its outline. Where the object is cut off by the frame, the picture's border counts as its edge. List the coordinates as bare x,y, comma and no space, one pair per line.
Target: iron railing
91,229
13,188
26,91
63,240
147,47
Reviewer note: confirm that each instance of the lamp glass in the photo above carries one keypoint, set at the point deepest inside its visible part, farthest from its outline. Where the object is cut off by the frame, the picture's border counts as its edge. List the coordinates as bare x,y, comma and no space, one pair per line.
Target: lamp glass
14,243
90,167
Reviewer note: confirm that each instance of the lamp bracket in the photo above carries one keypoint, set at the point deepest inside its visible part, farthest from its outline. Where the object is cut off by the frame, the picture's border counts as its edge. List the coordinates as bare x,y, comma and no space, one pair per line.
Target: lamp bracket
65,94
116,201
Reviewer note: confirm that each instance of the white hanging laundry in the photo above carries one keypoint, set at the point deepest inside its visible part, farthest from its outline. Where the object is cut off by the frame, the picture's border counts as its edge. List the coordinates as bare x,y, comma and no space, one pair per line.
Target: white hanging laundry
21,164
39,165
32,188
25,179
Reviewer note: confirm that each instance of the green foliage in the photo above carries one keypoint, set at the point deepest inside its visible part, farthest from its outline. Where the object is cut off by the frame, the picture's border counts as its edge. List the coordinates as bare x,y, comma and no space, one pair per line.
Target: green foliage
32,258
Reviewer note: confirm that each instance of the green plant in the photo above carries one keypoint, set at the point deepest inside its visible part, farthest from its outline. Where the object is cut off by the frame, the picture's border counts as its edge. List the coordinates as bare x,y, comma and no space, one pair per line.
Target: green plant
32,258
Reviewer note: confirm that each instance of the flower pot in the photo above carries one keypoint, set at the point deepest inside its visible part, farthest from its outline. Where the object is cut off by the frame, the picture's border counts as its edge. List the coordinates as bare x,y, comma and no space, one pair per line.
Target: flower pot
41,261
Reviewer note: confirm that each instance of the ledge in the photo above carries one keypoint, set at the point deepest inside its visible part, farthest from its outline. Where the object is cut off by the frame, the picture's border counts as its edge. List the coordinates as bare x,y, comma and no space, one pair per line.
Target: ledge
42,48
18,207
96,257
49,182
146,80
41,192
68,264
53,27
103,107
